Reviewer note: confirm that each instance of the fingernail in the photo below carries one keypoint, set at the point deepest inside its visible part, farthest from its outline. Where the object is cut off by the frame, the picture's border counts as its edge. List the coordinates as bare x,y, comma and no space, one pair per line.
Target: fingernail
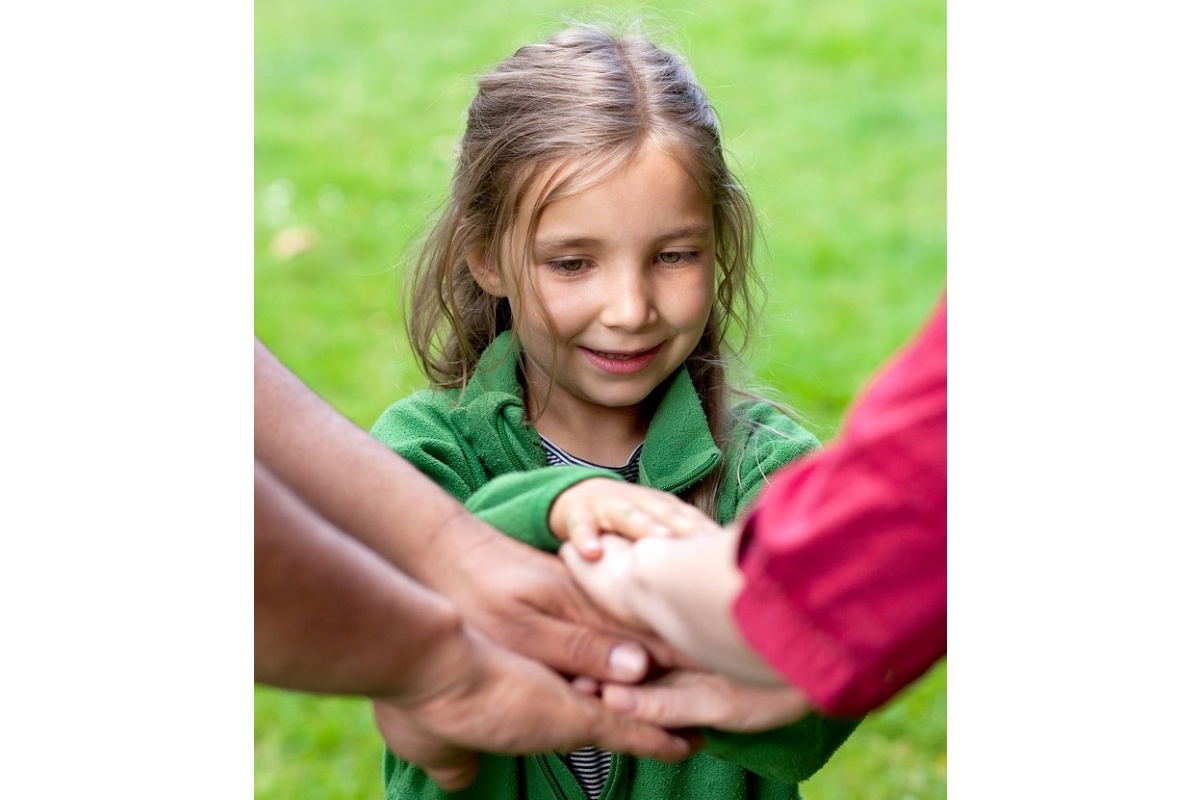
627,662
591,547
661,530
619,698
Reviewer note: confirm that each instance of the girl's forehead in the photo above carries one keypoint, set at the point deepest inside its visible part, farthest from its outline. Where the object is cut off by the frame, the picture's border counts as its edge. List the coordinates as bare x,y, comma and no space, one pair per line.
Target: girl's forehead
567,176
566,179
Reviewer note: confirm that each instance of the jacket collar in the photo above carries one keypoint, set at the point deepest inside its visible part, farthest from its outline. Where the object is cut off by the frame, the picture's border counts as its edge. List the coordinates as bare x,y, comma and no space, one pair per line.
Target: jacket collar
679,448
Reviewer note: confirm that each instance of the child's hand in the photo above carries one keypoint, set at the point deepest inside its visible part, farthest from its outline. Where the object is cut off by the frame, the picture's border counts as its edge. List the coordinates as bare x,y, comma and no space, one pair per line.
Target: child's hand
611,583
603,505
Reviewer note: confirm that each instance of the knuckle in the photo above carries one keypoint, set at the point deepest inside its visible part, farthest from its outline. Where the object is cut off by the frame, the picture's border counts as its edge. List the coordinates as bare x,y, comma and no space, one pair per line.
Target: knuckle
581,652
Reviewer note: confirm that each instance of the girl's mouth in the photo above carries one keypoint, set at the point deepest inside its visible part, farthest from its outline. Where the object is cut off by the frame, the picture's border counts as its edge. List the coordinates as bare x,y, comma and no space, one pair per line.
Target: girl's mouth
621,363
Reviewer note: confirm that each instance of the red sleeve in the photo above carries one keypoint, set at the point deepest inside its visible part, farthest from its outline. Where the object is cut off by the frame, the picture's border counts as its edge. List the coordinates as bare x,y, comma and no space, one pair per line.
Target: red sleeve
845,553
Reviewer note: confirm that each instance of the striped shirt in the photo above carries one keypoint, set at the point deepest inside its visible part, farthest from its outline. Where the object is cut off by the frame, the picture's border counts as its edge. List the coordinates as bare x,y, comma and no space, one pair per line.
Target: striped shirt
557,457
590,765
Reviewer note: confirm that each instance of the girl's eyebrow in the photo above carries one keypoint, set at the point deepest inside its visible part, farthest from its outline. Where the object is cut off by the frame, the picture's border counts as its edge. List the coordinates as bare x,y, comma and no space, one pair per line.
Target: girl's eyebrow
541,245
565,243
698,231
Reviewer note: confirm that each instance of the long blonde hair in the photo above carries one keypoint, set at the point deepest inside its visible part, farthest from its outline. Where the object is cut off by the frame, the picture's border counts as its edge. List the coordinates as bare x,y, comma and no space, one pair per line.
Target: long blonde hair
576,109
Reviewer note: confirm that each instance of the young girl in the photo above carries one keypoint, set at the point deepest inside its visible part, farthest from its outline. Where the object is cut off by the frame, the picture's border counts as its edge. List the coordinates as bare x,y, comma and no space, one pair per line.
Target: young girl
572,306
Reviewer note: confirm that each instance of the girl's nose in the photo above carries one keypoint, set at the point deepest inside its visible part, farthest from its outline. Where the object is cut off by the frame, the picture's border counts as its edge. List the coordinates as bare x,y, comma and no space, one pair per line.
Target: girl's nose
629,302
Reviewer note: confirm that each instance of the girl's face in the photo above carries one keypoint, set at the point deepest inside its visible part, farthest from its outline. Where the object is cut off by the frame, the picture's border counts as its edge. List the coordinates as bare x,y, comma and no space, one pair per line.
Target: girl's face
625,273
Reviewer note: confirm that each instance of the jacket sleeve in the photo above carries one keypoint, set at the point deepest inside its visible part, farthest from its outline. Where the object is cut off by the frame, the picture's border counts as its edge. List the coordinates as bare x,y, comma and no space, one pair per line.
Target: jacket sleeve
420,428
789,754
519,503
845,555
768,441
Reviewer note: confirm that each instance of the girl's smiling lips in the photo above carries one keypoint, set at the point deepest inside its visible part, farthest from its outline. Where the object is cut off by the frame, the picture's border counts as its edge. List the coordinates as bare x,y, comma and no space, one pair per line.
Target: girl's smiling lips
621,363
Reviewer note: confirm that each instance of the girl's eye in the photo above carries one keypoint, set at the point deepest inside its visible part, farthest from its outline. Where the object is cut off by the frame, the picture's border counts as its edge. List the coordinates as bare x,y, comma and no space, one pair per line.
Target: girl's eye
677,257
568,265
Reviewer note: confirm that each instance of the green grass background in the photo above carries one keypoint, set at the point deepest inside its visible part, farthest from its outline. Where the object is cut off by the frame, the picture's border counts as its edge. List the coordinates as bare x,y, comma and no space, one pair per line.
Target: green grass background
835,114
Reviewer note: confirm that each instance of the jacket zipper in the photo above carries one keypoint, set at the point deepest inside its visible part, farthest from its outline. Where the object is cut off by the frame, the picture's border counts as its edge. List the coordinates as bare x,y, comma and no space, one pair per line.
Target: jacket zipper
502,433
548,776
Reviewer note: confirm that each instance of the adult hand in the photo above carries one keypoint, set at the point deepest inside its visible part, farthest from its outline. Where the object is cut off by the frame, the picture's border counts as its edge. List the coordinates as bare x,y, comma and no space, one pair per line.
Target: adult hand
526,600
480,696
688,698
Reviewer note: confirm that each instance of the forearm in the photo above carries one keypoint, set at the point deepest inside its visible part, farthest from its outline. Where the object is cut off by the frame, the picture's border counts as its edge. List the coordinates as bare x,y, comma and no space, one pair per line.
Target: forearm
351,479
331,616
518,596
520,503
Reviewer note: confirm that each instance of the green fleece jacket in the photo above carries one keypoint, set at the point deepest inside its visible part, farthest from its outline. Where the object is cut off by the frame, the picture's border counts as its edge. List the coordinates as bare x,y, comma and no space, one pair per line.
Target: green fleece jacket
478,446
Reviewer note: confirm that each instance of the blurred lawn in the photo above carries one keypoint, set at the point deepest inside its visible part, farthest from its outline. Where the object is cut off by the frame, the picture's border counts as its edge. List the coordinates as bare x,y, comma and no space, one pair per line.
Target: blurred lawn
834,113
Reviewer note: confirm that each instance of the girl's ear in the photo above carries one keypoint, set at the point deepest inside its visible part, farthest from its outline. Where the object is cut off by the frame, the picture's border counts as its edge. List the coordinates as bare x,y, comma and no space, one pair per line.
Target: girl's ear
486,274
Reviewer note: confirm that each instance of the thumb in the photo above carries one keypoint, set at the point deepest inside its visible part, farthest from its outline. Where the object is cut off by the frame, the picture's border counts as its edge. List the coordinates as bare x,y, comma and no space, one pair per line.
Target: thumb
451,766
455,770
683,699
623,734
660,705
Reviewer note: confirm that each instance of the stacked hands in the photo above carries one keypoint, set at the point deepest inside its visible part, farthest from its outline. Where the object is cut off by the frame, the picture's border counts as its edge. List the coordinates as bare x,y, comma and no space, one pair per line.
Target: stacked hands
661,567
634,555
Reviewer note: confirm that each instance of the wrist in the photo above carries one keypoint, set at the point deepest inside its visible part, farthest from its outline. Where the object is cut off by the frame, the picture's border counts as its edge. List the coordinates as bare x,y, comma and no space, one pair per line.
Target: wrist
562,507
558,520
431,558
427,655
